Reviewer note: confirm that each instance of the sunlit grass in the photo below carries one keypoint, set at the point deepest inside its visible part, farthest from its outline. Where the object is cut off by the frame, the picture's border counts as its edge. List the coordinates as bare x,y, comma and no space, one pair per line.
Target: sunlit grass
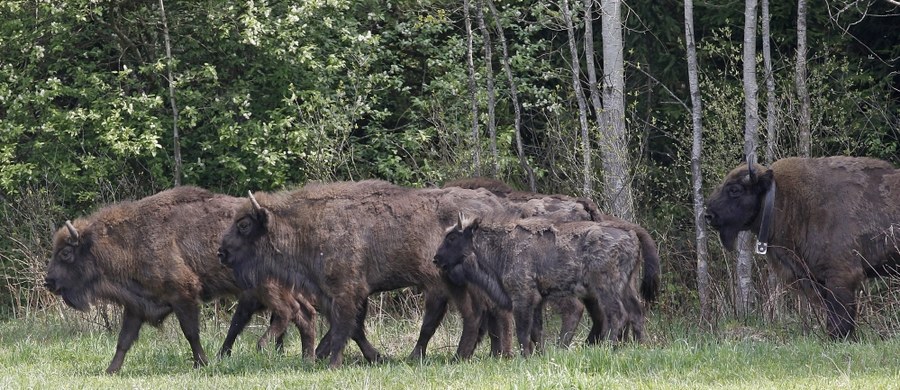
59,353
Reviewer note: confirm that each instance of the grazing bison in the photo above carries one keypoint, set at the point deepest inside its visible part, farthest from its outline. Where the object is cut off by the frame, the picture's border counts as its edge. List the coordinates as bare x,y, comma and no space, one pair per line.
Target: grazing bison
344,241
521,262
562,208
826,224
154,256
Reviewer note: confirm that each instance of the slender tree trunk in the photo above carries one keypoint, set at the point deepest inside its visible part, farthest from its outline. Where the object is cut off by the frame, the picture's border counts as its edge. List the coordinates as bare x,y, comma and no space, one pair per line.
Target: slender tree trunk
696,174
491,94
771,142
588,187
514,97
473,93
593,85
744,288
613,138
802,91
771,113
176,140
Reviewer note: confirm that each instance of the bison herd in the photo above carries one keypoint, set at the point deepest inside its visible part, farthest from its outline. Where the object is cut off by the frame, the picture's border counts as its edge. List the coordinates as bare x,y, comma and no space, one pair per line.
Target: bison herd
495,254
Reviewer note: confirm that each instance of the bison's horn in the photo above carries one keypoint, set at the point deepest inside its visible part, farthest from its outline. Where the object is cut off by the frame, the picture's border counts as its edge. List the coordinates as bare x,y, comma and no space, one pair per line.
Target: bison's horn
459,220
72,231
256,205
751,176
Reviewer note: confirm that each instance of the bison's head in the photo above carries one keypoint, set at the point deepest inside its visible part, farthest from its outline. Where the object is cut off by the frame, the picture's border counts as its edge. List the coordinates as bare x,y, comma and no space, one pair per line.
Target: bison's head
458,243
735,204
242,242
72,272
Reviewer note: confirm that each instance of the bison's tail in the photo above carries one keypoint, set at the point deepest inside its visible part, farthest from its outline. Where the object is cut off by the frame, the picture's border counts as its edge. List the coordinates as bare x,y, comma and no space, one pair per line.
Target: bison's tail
489,285
650,282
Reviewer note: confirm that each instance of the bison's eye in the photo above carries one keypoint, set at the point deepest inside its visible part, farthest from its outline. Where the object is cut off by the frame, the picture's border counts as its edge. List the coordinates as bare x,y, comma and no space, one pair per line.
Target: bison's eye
735,191
66,254
244,226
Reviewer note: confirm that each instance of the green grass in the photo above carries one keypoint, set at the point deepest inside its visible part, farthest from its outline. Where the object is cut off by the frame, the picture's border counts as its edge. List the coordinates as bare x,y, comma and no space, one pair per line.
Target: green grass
59,352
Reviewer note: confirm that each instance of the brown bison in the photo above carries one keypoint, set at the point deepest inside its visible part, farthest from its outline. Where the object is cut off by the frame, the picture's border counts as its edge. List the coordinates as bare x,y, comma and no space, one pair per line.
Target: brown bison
521,262
344,241
153,256
562,208
826,224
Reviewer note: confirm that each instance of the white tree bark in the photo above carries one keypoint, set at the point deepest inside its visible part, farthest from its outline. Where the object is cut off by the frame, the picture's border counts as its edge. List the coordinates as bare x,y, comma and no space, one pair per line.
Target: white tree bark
473,93
774,290
613,138
587,188
491,94
744,288
771,110
696,155
176,139
802,91
514,98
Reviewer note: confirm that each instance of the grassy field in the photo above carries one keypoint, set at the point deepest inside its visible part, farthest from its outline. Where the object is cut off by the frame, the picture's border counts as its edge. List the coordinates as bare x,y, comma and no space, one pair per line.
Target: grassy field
57,352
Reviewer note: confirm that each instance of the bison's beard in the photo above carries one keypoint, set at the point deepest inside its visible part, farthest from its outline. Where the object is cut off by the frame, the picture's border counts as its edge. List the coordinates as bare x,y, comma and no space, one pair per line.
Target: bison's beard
77,301
728,237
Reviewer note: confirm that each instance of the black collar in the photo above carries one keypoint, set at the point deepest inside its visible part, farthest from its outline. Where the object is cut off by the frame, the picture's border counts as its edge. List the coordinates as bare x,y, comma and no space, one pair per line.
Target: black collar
765,224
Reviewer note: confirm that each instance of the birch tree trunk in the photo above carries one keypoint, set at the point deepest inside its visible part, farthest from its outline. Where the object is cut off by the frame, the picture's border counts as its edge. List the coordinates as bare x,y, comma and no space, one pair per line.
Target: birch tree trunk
802,91
696,174
744,288
491,95
593,86
473,93
176,139
514,98
587,188
771,113
774,290
613,138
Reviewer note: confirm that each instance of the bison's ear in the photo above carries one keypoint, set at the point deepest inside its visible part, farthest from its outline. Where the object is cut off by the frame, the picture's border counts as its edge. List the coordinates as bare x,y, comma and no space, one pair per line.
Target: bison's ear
765,180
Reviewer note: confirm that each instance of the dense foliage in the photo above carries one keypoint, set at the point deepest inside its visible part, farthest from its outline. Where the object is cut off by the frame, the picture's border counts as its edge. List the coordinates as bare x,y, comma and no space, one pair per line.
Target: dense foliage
274,93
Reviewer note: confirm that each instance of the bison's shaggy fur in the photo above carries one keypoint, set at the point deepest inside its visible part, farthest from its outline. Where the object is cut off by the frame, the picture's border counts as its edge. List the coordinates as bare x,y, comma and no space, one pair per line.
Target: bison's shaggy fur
344,241
523,261
154,256
562,208
834,224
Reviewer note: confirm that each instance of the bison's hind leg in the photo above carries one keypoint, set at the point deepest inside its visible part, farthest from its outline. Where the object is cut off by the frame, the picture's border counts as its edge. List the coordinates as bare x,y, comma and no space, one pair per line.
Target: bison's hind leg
188,314
570,312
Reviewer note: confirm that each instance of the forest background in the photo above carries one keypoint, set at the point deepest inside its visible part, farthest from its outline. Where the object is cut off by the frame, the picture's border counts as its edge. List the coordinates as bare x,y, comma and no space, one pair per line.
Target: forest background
102,101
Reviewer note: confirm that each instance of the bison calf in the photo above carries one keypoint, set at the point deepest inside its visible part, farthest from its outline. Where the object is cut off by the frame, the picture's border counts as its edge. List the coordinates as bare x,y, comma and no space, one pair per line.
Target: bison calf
519,263
825,224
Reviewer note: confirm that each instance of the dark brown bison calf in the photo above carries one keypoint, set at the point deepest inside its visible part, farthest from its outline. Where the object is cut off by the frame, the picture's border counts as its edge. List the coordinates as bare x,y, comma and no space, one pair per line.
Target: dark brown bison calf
825,224
562,208
521,262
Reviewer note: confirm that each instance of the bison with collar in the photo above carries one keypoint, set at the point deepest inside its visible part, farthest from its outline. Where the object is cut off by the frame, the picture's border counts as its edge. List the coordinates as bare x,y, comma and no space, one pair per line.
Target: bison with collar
826,224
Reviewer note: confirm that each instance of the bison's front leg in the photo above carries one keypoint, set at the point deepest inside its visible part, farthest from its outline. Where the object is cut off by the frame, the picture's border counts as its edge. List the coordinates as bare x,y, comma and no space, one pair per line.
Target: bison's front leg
471,316
131,327
247,305
840,303
188,317
523,312
435,309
